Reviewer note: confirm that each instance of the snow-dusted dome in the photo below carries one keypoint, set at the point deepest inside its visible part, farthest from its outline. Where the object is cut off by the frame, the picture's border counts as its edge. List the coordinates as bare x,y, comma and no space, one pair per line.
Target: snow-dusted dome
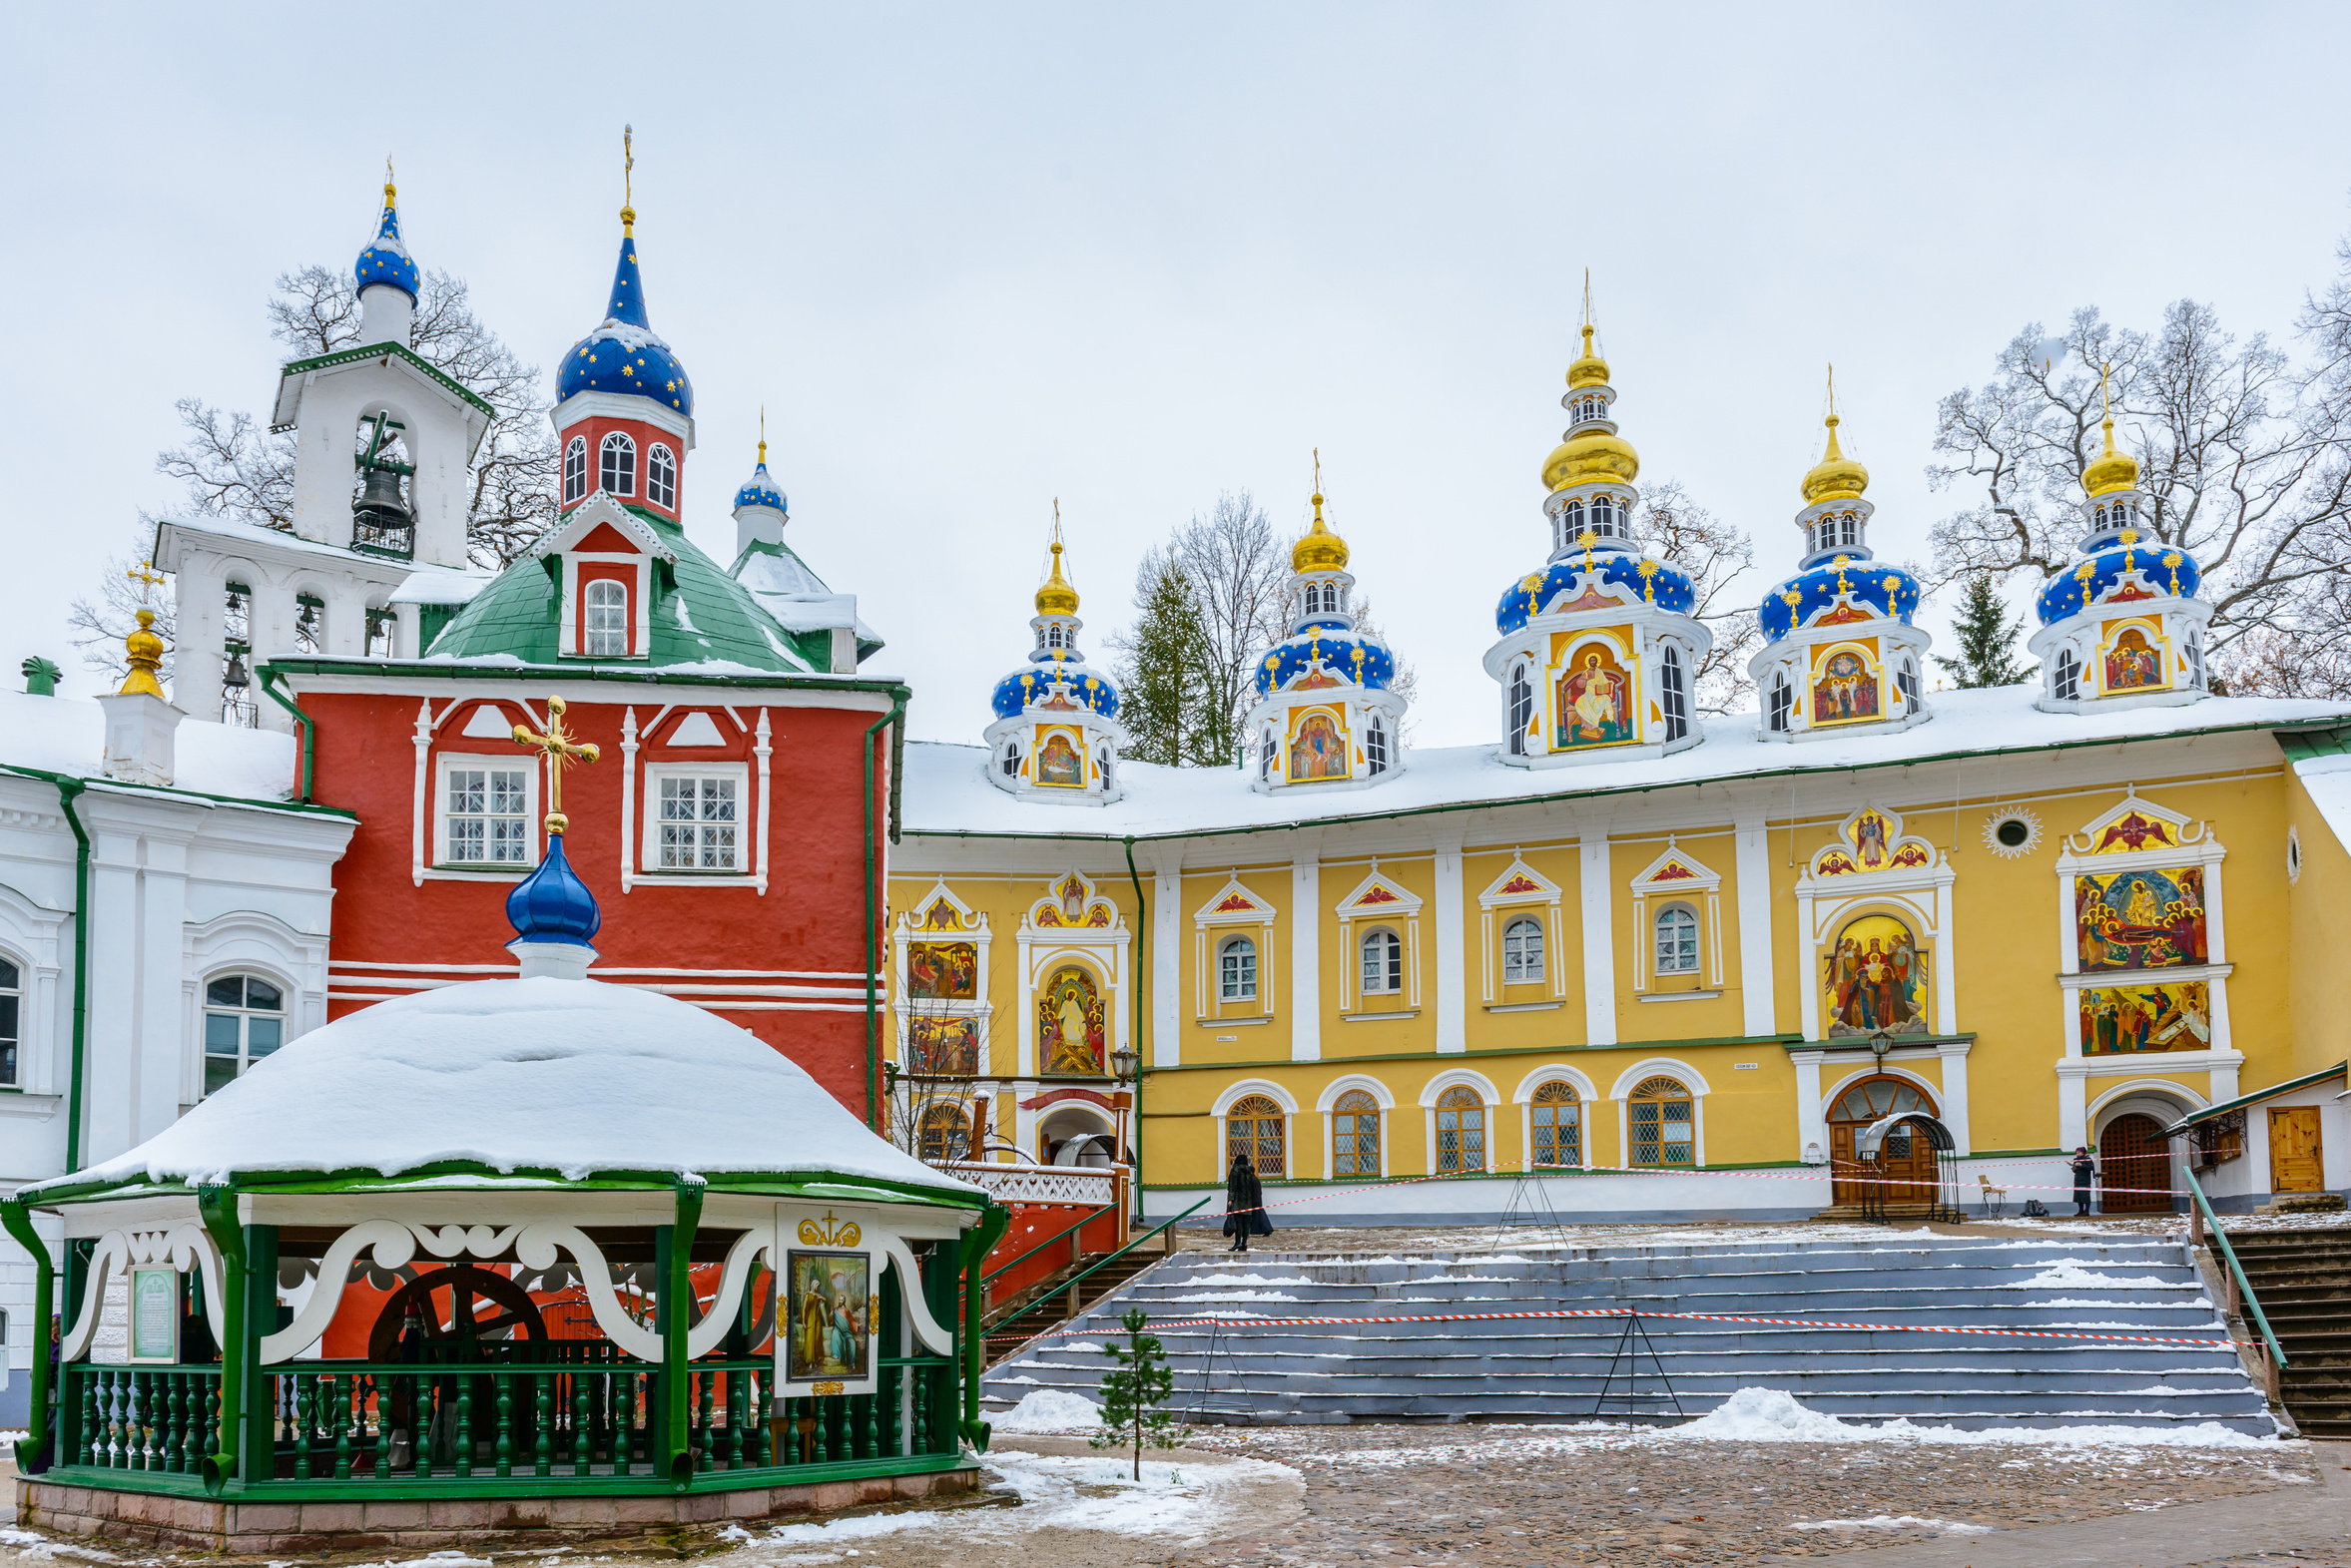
564,1078
623,354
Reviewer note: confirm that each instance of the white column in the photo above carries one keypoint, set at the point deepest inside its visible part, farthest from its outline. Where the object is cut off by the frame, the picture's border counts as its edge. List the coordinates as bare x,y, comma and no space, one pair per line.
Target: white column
1167,961
1447,915
1954,1057
1811,1118
2074,1111
271,616
1757,989
1599,943
1306,966
200,595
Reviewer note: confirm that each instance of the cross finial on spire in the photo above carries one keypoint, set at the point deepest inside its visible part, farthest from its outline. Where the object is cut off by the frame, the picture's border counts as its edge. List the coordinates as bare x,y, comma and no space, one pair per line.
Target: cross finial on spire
1318,470
2107,388
1056,525
1832,392
628,173
144,574
388,184
1588,297
560,748
762,433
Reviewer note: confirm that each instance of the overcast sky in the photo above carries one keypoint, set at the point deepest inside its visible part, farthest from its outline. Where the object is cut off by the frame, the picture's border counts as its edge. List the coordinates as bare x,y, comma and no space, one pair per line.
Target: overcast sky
976,258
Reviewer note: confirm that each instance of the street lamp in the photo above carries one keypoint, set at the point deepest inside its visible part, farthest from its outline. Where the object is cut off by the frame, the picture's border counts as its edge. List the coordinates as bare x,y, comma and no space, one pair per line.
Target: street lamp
1880,1044
1124,1062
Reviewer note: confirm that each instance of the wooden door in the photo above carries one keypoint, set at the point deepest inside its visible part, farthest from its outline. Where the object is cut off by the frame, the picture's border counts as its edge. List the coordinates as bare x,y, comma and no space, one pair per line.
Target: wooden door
2294,1163
1905,1167
2134,1162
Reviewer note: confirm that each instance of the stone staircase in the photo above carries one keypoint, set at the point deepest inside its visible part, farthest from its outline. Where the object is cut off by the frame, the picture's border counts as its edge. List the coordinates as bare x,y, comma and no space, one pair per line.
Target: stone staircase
1558,1369
1052,1301
2303,1280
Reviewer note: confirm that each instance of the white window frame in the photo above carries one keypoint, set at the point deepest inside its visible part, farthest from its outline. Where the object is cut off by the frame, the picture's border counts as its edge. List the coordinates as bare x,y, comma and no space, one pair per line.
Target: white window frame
443,763
660,478
1674,692
207,1008
588,608
14,1062
1391,982
1780,705
1518,700
649,849
575,470
616,441
1228,991
1697,931
1542,969
1375,745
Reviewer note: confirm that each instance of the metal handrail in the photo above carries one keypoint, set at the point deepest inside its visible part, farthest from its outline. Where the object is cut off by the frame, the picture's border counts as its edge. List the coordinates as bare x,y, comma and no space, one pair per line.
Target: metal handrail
1073,1225
1106,1259
2236,1270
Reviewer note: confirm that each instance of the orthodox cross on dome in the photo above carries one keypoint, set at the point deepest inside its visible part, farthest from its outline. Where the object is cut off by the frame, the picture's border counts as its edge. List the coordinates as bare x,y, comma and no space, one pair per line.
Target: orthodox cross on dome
628,171
560,748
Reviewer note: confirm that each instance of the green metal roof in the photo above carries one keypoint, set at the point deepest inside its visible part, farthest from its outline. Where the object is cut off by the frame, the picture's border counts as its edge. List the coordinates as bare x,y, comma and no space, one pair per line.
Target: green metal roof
377,352
700,616
2300,746
2339,1070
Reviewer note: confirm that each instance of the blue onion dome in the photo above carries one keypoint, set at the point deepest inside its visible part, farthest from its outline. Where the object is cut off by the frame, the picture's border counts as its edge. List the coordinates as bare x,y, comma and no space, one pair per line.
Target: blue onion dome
1317,656
386,259
623,354
1841,589
1647,579
552,904
758,489
1055,684
2122,572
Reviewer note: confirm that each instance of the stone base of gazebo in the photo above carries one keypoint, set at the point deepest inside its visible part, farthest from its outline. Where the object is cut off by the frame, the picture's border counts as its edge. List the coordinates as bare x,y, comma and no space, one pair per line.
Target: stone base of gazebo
203,1523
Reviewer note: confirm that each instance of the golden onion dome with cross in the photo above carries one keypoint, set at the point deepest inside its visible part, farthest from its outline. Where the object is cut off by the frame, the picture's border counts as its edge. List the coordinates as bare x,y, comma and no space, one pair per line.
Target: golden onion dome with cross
1319,549
2111,470
1058,596
1835,477
1596,454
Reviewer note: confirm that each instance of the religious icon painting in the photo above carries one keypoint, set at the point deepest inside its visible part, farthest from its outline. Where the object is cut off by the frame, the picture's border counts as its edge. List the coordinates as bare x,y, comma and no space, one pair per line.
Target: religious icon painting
1874,978
1845,688
943,971
2119,1019
1595,701
1070,1023
945,1047
2150,919
2132,665
1317,750
1059,763
831,1301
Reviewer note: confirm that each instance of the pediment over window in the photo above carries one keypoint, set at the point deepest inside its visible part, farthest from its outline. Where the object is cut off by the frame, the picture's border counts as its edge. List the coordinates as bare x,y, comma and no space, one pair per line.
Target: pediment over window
1519,883
2135,826
1074,904
1377,896
602,526
1234,904
1870,843
1676,871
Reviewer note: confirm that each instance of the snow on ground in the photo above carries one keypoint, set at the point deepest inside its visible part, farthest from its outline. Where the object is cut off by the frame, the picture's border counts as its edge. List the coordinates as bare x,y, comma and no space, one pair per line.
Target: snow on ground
1888,1521
2076,1273
1049,1410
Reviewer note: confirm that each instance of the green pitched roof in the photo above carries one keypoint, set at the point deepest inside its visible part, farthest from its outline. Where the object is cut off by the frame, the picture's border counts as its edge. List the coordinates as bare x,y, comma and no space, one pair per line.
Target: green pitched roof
2301,746
700,616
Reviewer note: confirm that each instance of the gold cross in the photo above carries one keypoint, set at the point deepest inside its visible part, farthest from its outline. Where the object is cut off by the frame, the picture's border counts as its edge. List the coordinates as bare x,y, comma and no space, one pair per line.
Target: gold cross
559,748
144,573
1587,539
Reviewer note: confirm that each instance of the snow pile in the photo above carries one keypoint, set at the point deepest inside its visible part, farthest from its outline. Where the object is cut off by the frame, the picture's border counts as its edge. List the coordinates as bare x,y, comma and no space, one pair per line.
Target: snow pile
1774,1415
571,1076
2073,1272
67,735
1246,1278
1233,1296
1907,1521
1767,1415
1050,1411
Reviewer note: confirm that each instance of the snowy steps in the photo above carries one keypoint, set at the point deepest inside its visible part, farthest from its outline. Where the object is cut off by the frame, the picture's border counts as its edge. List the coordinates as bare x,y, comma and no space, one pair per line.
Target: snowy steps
1556,1369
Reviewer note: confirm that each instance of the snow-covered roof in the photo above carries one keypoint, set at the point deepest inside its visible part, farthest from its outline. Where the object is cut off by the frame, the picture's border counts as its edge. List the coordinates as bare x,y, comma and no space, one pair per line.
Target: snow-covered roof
67,735
433,585
570,1076
2328,778
948,790
236,531
796,596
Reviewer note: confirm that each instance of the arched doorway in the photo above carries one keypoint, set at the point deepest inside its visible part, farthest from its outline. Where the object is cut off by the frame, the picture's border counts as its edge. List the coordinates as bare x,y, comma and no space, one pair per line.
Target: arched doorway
1906,1161
2135,1165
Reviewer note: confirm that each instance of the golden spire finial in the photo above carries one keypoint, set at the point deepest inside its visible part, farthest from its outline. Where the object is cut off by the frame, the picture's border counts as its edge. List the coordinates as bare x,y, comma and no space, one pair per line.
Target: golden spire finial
1319,549
763,436
389,189
1318,451
144,574
559,746
1587,539
628,173
146,651
2111,469
1059,596
1835,476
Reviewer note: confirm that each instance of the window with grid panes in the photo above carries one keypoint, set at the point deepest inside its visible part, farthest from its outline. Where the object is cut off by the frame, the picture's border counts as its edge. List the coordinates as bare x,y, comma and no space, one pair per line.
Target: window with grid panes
11,1014
487,816
1460,1130
1254,1129
698,824
1383,963
1355,1134
1557,1121
1664,1124
1677,941
606,619
1237,971
244,1021
1522,952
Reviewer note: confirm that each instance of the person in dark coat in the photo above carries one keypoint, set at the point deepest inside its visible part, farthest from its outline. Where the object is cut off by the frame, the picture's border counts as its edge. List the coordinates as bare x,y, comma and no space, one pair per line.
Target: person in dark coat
2084,1169
1244,1204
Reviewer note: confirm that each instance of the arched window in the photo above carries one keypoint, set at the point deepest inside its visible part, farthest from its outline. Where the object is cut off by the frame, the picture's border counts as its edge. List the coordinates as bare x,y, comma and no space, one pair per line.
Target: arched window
1460,1130
1571,522
1254,1129
2066,679
660,478
1782,702
1355,1134
1604,516
1012,761
244,1021
575,469
1266,749
11,1020
1056,635
309,624
1677,941
1558,1120
1522,952
1522,709
1236,970
606,619
1375,745
946,1134
1382,958
1905,680
1663,1120
618,473
1851,523
1873,1097
1677,699
2195,658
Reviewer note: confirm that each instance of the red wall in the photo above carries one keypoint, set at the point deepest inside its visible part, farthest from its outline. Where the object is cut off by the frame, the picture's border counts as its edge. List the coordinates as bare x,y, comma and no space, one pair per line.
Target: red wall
809,918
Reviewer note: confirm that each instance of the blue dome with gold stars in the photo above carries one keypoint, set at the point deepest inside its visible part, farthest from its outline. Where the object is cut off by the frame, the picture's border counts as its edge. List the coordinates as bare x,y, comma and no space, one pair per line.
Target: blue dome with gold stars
1342,657
759,490
552,904
1055,682
386,259
2118,573
1871,589
1649,580
623,354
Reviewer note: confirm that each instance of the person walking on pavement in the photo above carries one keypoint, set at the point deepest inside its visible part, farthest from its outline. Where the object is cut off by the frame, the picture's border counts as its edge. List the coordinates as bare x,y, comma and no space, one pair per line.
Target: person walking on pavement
2084,1169
1244,1204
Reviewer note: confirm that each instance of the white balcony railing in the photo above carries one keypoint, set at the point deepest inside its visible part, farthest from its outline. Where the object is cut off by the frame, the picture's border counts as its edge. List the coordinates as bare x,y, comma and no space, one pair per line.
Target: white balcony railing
1040,1184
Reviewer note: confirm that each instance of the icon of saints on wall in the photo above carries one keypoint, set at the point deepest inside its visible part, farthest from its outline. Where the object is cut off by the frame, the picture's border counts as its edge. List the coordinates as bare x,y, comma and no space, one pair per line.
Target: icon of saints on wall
831,1317
1876,980
946,1047
1595,703
2141,919
1069,1020
1317,750
2121,1018
1058,763
943,971
1844,691
2132,666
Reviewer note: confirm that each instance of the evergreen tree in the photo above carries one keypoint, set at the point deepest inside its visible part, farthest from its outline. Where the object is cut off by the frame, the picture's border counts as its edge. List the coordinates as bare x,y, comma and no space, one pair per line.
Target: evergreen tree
1163,676
1134,1393
1987,639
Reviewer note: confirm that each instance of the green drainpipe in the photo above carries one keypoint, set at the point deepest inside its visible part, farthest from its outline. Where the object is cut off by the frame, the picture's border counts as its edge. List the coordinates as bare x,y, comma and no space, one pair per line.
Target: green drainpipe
977,1243
305,726
677,1311
39,1427
67,790
218,1206
873,938
1141,968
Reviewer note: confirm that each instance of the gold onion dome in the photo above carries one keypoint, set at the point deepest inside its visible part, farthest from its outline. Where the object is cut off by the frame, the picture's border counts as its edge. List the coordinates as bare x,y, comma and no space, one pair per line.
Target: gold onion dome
1593,455
1058,596
1319,549
147,655
2111,470
1591,370
1835,477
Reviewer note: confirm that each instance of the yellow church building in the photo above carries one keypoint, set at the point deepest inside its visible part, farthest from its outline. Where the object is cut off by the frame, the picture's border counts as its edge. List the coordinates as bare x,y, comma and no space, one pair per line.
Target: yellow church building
1681,963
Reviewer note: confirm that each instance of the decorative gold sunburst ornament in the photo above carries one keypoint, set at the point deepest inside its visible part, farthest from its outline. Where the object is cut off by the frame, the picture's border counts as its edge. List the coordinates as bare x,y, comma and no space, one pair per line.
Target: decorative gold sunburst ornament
2012,832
